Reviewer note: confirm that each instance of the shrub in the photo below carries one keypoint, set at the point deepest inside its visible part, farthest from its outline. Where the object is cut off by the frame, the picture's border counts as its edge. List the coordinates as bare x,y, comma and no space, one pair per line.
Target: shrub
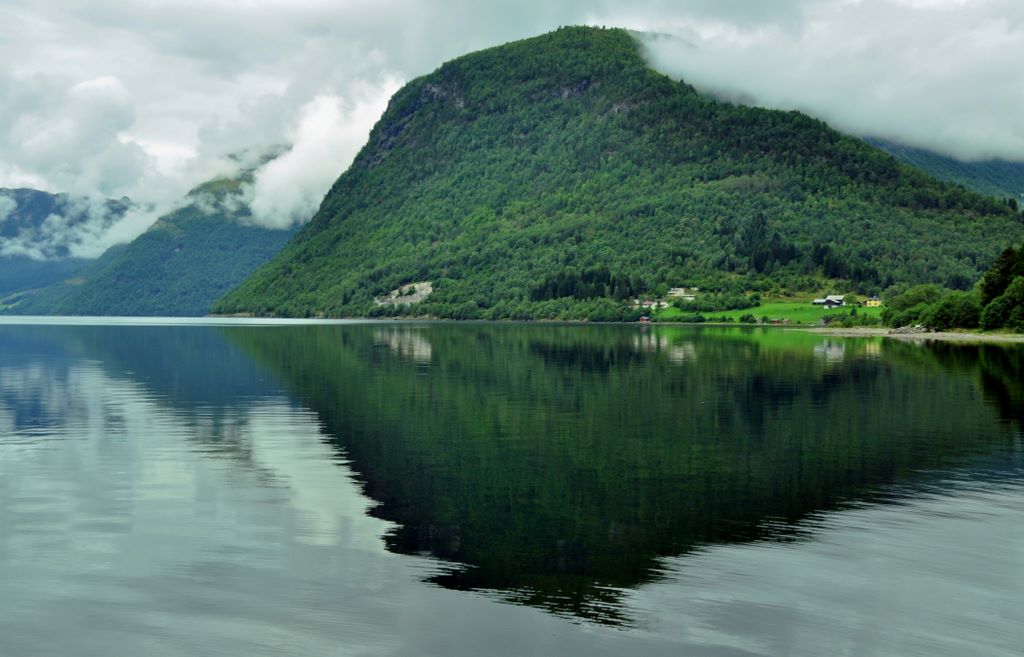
955,310
915,296
1006,309
693,319
905,317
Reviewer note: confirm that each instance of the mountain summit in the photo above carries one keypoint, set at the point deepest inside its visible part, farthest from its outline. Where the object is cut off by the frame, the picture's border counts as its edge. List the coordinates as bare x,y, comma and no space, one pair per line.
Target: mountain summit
556,176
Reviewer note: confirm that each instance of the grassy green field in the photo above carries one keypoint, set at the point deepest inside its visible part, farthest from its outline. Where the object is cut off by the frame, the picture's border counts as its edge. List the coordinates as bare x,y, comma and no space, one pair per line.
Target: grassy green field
797,312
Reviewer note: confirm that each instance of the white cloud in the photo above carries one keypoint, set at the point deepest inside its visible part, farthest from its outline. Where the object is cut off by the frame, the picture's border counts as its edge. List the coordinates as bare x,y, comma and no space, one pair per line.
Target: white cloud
78,226
7,206
329,133
134,222
940,75
68,133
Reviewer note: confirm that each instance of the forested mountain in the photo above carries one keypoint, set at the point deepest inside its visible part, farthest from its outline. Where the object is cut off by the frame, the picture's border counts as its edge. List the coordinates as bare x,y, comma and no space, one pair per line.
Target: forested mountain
566,158
999,178
185,261
36,231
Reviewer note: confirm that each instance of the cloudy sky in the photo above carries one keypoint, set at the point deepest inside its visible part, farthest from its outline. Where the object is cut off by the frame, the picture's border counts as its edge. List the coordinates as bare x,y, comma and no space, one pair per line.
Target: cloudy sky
144,98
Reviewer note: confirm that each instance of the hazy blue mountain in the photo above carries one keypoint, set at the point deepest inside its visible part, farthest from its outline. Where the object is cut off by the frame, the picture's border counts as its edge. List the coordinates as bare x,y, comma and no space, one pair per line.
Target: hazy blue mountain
35,232
999,178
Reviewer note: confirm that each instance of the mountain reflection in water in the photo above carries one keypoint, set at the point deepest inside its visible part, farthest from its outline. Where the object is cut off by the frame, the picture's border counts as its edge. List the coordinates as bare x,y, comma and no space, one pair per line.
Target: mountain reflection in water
283,490
558,464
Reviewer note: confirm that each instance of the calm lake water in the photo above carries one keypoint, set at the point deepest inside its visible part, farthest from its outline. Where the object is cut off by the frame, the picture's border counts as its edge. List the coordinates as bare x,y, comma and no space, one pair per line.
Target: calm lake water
469,490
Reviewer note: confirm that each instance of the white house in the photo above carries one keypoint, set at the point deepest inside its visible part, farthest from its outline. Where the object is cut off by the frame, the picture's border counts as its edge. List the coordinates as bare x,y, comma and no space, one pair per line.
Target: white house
683,293
830,301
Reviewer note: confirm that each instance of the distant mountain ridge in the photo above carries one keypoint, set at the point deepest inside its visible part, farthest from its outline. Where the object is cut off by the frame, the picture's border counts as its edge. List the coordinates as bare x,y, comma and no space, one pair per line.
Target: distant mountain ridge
999,178
37,232
184,262
27,210
558,175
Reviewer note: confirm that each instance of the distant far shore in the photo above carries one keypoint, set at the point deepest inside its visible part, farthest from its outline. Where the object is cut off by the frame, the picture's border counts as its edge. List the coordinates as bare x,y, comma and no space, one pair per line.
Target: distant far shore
248,318
943,336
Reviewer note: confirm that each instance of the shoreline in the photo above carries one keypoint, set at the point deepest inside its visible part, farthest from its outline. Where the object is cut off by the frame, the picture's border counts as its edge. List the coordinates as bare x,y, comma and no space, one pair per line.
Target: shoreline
242,319
939,336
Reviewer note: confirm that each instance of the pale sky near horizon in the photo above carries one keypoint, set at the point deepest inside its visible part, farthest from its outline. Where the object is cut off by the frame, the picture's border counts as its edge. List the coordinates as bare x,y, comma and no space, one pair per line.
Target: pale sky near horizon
143,99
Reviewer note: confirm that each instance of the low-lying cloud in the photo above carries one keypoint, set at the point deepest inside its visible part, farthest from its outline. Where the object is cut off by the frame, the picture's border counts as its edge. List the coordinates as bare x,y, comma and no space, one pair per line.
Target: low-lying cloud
77,227
939,75
328,133
7,206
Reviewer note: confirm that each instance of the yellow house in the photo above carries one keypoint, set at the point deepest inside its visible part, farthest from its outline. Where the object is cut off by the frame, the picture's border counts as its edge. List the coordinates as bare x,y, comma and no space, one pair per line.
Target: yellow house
873,302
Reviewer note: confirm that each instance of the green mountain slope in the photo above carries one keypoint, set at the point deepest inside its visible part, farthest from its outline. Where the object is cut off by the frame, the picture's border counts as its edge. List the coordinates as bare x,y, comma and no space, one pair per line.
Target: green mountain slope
178,267
19,273
40,222
553,176
999,178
